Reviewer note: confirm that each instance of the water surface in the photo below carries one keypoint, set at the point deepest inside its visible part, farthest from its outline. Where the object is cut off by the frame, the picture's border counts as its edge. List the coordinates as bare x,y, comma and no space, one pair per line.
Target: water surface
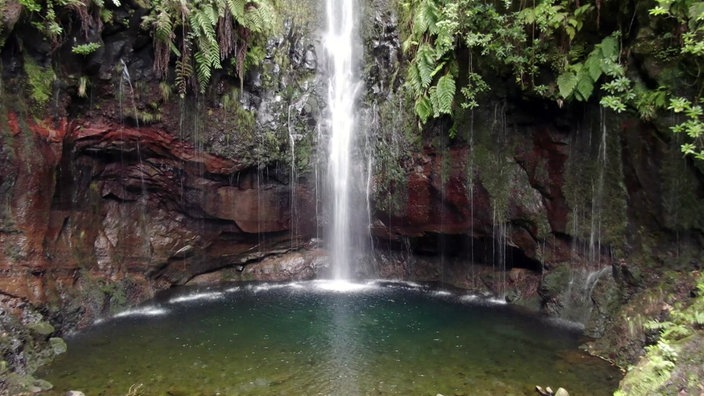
320,338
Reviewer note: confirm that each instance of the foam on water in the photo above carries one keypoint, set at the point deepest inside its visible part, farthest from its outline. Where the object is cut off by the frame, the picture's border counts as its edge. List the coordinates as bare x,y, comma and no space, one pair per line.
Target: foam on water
343,286
142,311
210,296
273,286
473,298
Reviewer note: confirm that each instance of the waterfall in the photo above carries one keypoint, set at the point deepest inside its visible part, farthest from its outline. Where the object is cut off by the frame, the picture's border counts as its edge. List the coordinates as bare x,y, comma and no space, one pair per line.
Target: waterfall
342,91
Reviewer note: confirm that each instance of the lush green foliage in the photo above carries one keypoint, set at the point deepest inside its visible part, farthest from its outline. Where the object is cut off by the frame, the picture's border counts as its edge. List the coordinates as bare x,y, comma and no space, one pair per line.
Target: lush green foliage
201,34
690,17
552,49
656,369
46,15
85,49
46,11
693,127
520,41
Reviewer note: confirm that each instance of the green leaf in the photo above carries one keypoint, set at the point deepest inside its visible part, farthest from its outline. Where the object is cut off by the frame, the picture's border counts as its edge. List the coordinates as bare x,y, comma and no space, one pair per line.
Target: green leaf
585,87
31,5
566,83
696,11
446,94
426,17
413,79
423,109
609,48
613,102
658,10
437,69
593,67
425,64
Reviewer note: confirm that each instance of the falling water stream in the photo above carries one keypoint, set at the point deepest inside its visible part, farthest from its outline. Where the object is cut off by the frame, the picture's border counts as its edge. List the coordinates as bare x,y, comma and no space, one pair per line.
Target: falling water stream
342,91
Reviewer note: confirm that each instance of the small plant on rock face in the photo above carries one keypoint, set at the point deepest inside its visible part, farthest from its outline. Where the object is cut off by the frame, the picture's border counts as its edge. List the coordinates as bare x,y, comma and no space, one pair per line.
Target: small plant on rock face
656,368
85,49
693,127
39,81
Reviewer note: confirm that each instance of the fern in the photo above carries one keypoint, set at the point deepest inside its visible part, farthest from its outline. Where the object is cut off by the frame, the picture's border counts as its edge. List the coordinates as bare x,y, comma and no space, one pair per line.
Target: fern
163,26
423,108
211,31
425,62
445,94
236,8
426,18
413,79
184,71
255,19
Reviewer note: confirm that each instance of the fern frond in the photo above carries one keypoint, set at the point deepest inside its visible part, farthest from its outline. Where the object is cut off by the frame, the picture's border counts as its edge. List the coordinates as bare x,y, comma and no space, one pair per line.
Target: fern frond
423,108
413,79
184,71
426,18
203,70
236,8
445,94
163,26
425,62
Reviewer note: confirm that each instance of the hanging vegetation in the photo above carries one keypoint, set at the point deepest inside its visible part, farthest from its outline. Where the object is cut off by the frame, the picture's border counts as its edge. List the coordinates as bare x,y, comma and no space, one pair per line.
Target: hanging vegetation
202,34
195,37
559,50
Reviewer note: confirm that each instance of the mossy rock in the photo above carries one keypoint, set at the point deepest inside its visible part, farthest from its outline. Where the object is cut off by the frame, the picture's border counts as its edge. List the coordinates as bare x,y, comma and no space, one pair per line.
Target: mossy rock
21,384
555,281
41,328
58,345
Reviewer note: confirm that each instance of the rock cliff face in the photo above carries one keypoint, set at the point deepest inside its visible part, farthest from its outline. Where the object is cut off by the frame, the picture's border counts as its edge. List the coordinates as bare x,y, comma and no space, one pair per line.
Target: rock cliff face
124,186
114,202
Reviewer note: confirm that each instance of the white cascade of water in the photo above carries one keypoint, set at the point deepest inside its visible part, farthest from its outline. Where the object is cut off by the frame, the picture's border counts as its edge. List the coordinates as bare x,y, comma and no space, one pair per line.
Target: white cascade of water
342,91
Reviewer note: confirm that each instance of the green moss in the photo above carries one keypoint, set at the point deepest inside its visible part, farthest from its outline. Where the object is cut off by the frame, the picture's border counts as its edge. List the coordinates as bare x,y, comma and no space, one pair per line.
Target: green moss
143,117
594,189
299,12
556,281
41,328
99,296
58,345
393,152
495,173
39,80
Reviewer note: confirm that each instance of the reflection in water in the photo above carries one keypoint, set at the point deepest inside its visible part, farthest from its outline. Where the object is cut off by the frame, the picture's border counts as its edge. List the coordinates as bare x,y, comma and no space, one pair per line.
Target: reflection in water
343,350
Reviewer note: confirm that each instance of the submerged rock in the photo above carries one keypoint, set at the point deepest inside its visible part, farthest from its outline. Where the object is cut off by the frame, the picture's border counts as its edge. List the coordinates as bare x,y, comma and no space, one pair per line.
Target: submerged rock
58,345
548,391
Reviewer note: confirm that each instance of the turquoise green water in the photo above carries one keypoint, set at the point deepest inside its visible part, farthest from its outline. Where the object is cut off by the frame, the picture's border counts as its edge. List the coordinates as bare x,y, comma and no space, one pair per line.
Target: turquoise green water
304,339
